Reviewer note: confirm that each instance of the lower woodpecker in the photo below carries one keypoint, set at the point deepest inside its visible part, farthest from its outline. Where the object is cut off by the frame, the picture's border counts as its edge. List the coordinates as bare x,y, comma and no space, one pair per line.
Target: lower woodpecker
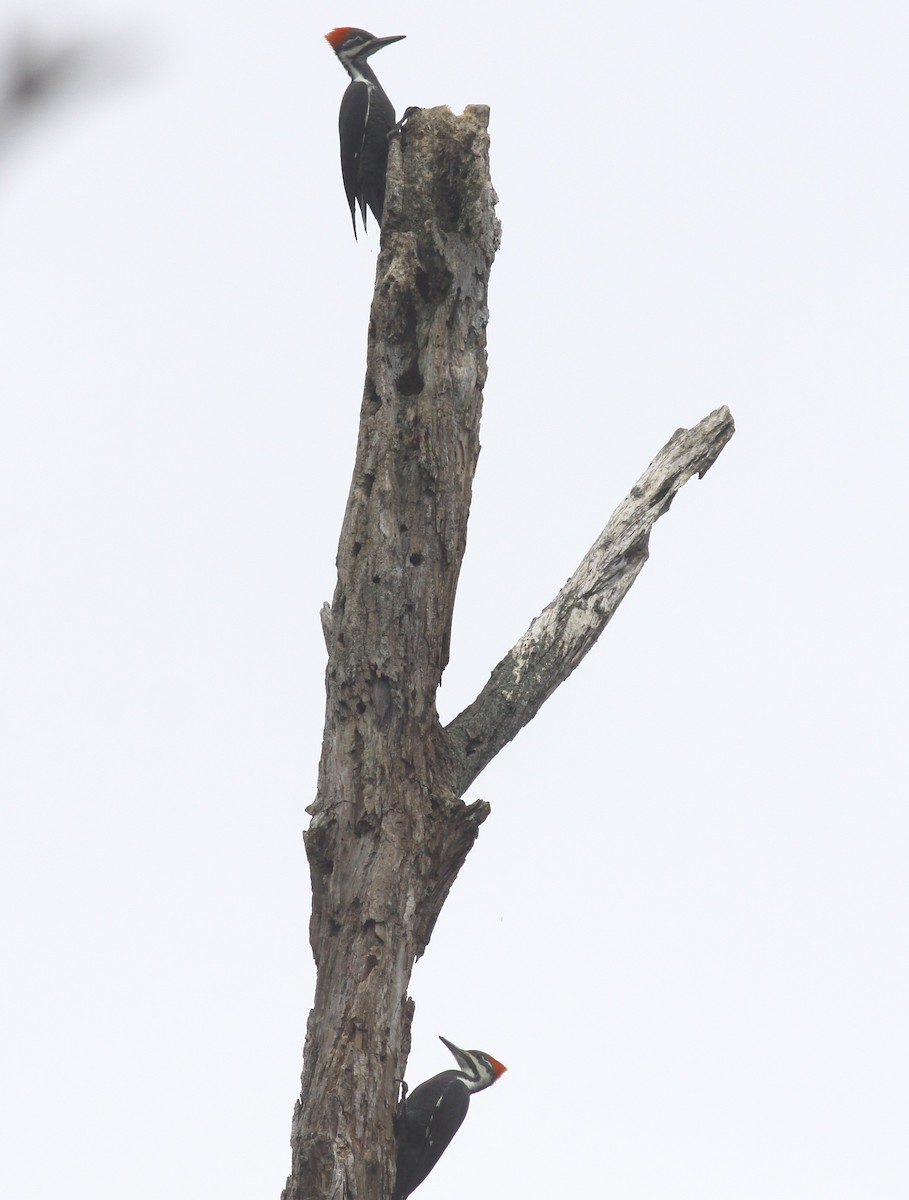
429,1116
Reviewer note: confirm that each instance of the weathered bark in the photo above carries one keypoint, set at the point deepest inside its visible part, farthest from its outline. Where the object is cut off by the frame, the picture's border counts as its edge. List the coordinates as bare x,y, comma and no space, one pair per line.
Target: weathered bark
569,626
389,830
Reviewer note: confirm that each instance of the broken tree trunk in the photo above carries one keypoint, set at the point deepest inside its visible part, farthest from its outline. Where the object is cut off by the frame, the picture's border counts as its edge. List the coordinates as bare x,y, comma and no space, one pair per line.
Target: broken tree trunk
388,835
389,830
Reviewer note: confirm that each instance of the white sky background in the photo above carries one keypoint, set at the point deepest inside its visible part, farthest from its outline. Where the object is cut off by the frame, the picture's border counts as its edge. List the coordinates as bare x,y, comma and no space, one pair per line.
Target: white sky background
684,926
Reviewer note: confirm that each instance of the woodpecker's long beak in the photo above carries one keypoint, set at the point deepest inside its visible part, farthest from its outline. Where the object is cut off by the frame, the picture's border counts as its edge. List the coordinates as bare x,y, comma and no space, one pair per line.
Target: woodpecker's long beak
378,43
460,1055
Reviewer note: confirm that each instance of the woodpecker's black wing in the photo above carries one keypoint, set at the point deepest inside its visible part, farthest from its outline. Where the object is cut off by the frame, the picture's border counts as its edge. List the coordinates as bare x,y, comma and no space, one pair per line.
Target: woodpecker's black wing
352,128
432,1115
380,120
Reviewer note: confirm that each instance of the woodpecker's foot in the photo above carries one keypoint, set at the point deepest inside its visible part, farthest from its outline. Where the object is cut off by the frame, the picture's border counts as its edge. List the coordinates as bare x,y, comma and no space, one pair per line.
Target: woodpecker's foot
408,113
398,1118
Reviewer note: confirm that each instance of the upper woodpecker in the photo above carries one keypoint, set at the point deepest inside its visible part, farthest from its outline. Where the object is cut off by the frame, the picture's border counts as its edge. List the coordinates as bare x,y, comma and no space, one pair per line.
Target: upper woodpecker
366,117
431,1115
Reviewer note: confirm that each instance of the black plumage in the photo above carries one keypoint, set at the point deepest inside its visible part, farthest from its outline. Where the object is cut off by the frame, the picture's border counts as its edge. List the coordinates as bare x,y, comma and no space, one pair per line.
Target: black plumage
364,122
429,1116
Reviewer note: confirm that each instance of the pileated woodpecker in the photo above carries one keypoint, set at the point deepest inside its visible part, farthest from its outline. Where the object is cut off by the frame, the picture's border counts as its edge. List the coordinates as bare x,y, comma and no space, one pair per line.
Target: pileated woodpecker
429,1117
365,120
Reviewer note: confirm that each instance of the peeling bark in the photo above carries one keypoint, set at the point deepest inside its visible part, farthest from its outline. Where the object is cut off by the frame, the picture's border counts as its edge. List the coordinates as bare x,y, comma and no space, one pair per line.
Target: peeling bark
389,830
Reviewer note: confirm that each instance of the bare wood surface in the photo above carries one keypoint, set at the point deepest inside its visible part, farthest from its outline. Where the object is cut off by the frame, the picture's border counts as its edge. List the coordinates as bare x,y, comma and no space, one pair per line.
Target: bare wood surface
569,626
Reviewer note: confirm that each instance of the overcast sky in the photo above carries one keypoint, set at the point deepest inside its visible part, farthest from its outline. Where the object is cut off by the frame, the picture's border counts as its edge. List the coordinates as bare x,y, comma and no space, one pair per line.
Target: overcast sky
684,926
